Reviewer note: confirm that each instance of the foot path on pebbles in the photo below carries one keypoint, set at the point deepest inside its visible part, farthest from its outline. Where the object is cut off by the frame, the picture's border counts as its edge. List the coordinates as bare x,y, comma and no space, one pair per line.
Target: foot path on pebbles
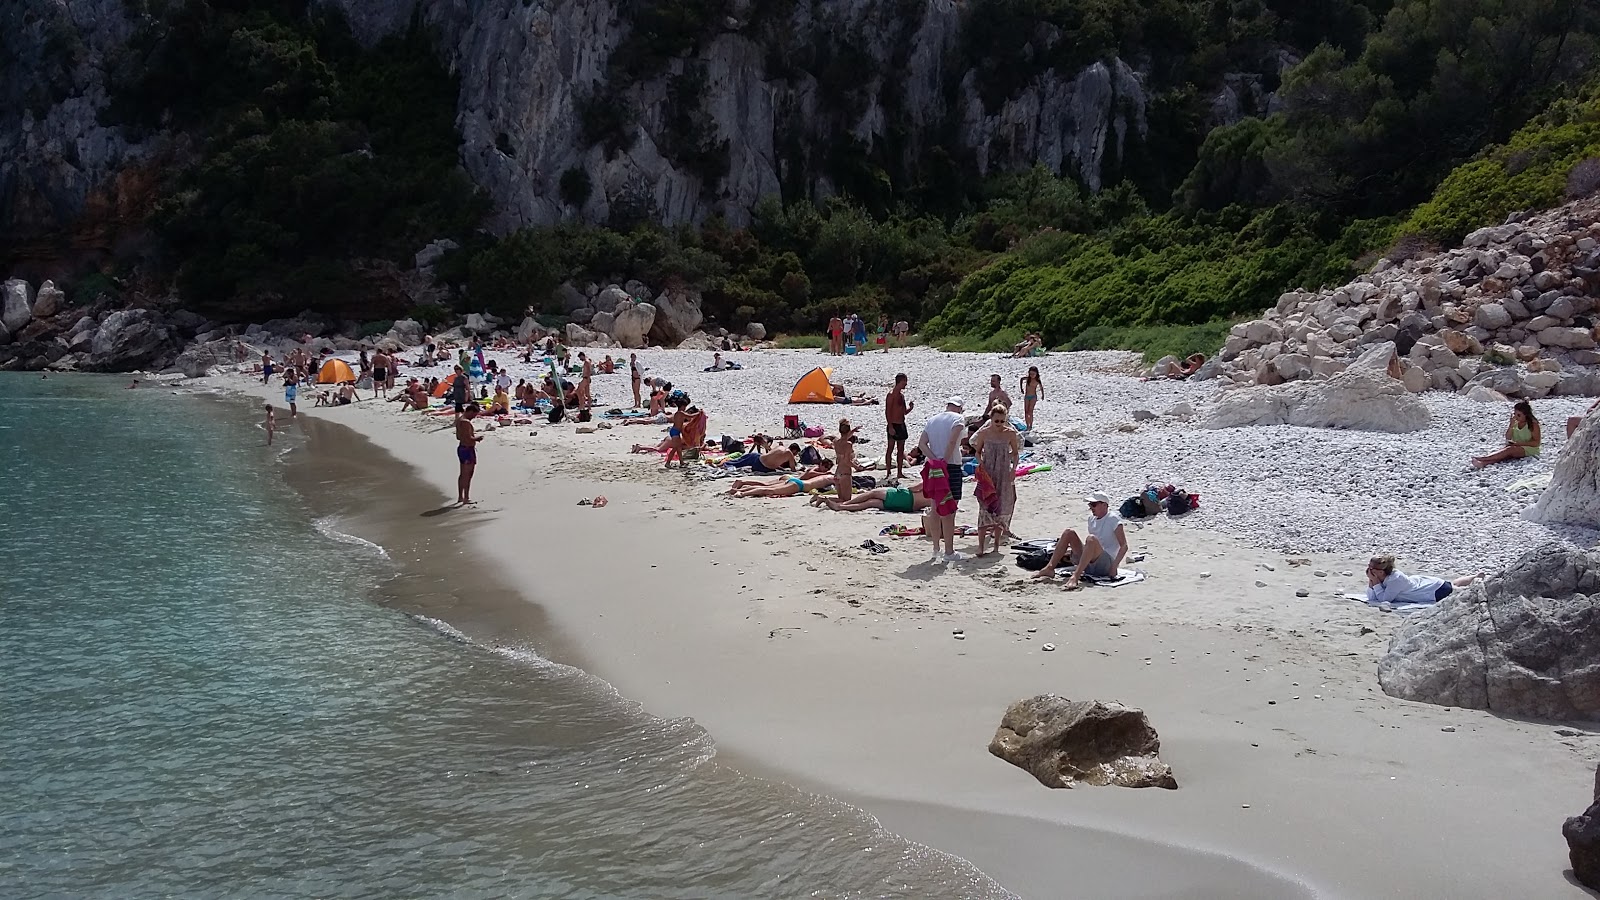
1289,489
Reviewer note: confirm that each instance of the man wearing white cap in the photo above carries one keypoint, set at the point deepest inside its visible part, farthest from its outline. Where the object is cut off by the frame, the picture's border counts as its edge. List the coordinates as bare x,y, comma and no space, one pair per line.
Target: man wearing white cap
1100,554
941,476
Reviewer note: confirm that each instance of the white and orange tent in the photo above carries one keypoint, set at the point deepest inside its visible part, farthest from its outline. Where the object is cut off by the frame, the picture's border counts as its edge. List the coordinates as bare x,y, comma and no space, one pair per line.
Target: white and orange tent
815,386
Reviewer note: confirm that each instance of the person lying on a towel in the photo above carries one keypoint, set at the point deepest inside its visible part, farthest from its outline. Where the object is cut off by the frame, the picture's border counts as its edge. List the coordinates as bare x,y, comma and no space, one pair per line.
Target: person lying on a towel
1100,554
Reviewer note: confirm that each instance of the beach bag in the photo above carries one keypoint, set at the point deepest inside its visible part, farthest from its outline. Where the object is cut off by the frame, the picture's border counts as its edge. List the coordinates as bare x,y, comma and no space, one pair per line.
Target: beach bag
583,415
1151,501
1179,503
812,432
863,482
936,487
1035,554
810,456
730,445
557,413
1132,508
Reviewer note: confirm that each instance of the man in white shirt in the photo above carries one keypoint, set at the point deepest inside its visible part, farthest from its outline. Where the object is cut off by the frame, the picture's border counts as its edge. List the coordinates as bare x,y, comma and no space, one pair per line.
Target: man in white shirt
941,447
1100,553
502,381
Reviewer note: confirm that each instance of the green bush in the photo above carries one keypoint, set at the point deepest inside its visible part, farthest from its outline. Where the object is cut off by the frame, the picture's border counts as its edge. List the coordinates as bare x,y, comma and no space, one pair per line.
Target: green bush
373,329
801,342
1530,171
1000,342
89,288
1154,341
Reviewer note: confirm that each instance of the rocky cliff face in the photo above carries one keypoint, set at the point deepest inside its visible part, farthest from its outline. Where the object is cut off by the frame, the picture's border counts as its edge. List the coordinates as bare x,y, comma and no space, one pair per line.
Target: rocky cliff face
59,166
765,98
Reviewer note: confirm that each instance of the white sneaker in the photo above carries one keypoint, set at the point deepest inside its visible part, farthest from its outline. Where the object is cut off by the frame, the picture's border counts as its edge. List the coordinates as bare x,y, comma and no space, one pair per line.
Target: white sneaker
936,560
957,556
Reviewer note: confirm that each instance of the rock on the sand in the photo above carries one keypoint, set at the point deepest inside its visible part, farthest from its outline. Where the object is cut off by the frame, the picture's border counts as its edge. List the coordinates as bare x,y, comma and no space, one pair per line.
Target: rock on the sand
1573,495
632,324
1363,398
1063,742
1525,642
1583,840
17,309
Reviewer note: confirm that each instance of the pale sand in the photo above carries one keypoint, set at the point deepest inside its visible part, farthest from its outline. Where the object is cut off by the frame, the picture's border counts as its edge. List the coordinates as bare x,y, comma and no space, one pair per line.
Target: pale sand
736,613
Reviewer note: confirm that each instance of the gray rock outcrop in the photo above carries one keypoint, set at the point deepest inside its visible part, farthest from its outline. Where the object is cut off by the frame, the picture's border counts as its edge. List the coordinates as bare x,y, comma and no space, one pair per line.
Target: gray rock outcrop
1065,742
1573,495
128,339
755,331
48,301
1525,642
677,316
1363,397
1583,840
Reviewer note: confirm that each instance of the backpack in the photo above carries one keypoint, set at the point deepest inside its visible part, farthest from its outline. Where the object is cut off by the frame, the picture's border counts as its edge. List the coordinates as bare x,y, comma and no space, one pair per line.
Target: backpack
1034,555
1132,508
810,456
731,445
557,413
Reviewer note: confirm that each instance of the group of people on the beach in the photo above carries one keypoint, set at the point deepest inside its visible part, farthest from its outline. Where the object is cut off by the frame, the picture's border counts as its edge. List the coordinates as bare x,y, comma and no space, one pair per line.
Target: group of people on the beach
850,334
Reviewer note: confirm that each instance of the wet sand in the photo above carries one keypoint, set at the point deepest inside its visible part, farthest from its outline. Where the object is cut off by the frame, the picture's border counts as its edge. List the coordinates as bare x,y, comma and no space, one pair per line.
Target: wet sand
1295,769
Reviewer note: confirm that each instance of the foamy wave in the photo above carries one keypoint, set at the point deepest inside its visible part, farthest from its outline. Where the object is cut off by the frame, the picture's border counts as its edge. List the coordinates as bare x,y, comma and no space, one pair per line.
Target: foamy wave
443,627
325,528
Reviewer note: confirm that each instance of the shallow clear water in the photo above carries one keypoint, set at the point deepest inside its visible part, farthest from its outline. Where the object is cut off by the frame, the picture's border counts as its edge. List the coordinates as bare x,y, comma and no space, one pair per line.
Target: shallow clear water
205,694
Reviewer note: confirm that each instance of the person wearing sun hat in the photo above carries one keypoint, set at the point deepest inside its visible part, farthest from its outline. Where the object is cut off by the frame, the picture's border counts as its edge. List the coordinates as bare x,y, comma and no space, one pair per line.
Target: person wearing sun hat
941,477
1100,553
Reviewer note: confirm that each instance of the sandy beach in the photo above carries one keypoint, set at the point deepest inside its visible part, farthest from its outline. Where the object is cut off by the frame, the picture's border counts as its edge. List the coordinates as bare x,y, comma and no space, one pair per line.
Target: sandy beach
816,662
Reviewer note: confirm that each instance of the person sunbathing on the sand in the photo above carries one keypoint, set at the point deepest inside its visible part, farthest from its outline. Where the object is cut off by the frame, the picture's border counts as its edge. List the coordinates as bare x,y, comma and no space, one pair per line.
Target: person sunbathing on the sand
1098,555
1386,585
1026,347
767,463
1522,437
824,467
888,499
787,486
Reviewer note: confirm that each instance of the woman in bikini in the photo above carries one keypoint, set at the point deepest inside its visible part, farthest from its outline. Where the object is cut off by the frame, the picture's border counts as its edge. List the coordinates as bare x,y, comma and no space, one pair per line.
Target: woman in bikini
1032,393
787,486
844,454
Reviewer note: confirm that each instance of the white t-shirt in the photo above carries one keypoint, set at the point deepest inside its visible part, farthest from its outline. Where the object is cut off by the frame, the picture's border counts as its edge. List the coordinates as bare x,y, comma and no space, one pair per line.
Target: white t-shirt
1105,528
503,382
940,430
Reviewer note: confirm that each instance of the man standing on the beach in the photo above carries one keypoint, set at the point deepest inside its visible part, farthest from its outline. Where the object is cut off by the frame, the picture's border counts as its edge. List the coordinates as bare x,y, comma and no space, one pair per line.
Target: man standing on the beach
291,390
835,336
382,368
997,397
466,453
635,373
584,383
895,409
941,476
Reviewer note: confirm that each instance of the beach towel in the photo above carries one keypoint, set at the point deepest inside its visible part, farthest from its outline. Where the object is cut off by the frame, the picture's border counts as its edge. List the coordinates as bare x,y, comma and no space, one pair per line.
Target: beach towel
902,531
1133,577
1388,607
936,487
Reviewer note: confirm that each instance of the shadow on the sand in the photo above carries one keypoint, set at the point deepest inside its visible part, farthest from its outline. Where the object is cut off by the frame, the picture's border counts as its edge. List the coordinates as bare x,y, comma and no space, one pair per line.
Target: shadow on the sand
451,507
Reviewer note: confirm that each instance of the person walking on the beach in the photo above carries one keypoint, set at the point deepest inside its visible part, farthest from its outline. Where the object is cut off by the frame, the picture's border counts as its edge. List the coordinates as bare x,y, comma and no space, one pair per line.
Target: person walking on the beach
467,440
1100,553
895,409
266,367
291,389
636,375
271,424
459,390
1032,393
941,476
835,336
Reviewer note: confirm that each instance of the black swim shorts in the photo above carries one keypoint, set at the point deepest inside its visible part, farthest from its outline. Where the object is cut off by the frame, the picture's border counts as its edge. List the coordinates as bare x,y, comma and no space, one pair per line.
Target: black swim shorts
898,432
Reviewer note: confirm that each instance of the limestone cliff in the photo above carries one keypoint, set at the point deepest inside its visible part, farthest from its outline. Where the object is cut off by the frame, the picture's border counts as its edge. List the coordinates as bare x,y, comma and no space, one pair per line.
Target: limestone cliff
763,98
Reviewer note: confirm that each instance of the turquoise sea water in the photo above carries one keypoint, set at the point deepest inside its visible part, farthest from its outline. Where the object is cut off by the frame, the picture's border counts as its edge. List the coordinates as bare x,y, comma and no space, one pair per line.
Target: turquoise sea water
206,695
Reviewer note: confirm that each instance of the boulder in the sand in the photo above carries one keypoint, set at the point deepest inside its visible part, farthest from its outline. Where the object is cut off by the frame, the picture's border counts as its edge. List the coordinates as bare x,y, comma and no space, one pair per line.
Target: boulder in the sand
568,298
1573,495
17,310
1525,642
632,325
410,330
603,322
699,341
579,336
1064,742
527,329
49,301
197,359
677,316
755,331
1583,840
476,324
1364,397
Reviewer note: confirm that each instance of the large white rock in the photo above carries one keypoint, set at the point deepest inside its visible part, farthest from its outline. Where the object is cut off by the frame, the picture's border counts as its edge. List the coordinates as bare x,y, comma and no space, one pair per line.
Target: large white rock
1262,332
1492,316
677,316
1570,338
1573,495
1363,397
603,322
609,299
632,325
579,336
17,310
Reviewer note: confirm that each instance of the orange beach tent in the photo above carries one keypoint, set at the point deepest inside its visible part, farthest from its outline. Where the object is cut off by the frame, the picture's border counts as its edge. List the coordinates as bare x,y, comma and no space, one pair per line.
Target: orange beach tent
335,371
814,386
444,385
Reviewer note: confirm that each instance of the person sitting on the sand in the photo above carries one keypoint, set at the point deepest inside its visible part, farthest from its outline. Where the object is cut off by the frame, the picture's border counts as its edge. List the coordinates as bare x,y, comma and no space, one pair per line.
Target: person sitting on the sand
1100,553
1386,585
1026,347
347,393
766,463
888,499
1576,422
1522,437
1188,367
817,479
